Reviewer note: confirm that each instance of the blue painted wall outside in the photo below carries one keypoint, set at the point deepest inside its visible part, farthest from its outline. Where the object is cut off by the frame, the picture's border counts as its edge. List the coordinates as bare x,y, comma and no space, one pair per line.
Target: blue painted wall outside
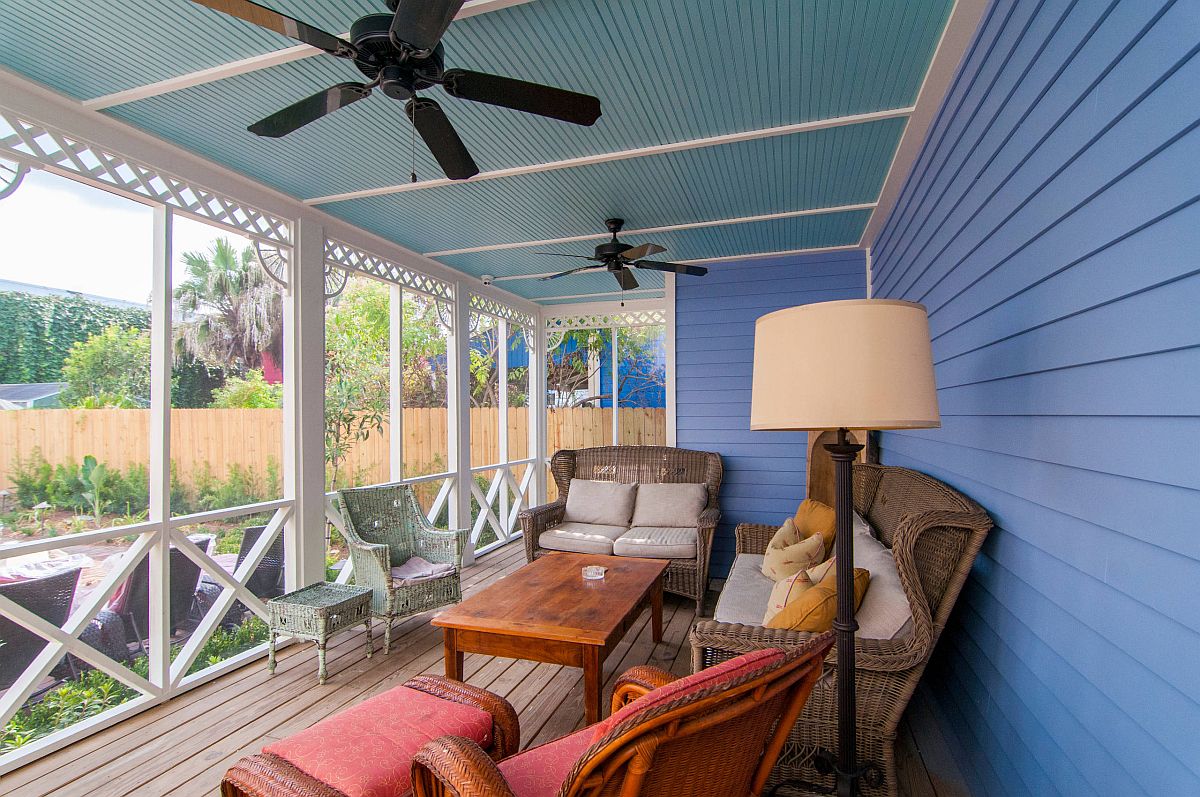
714,350
1051,227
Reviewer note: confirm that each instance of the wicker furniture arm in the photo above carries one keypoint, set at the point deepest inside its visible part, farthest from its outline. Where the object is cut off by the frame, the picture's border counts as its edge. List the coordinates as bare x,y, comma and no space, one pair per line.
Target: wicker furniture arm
537,520
451,766
372,568
638,681
506,727
752,537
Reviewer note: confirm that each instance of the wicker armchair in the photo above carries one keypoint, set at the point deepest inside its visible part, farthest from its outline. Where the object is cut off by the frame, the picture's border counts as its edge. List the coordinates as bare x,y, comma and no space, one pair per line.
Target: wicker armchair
385,527
934,533
691,737
49,598
644,465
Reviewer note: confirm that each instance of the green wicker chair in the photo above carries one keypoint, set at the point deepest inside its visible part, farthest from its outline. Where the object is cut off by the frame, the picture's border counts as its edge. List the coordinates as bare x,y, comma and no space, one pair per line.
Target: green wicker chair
384,529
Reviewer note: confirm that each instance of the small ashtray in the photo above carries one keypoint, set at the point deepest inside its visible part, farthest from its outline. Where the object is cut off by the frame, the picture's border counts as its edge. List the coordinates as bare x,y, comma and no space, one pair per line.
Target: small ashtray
594,572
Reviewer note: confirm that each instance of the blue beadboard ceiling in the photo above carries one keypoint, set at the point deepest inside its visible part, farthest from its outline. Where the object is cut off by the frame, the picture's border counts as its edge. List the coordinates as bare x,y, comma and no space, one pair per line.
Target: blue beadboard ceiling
666,71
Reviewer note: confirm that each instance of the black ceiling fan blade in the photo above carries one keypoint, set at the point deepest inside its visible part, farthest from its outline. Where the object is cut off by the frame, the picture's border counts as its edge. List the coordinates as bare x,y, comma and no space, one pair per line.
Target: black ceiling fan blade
567,273
645,250
309,109
675,268
521,95
271,19
441,138
422,23
626,279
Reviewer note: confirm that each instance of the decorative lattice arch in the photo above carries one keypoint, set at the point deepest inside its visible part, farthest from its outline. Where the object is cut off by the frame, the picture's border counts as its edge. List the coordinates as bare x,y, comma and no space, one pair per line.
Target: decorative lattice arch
343,255
622,318
497,308
11,174
25,142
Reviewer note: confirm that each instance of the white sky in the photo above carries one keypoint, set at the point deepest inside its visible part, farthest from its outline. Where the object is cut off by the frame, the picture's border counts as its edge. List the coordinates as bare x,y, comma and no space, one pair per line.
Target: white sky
63,234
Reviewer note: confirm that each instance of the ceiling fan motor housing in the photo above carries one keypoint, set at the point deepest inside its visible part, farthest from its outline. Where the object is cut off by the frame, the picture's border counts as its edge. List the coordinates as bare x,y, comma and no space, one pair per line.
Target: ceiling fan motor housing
399,76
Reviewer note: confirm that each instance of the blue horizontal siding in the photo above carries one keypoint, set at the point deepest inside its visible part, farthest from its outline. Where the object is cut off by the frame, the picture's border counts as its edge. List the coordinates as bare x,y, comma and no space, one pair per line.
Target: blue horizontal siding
1050,226
714,351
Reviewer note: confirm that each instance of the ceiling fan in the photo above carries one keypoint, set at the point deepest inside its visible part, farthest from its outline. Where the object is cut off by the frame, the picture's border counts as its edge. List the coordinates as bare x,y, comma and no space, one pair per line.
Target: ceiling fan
617,257
400,54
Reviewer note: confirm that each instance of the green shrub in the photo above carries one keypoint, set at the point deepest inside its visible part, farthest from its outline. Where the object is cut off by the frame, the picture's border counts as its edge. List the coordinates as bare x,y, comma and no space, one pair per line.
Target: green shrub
249,392
32,479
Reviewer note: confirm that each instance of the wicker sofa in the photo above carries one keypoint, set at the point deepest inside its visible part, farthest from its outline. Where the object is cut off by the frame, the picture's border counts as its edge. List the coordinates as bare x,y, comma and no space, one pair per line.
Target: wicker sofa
643,465
934,533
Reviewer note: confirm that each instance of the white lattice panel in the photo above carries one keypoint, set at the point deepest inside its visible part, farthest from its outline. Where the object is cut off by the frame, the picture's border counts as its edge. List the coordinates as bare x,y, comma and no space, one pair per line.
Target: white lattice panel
494,307
351,258
625,318
25,141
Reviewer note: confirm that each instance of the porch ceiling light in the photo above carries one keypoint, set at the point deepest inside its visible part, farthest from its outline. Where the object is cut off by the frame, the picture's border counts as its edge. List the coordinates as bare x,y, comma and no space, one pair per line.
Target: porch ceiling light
857,364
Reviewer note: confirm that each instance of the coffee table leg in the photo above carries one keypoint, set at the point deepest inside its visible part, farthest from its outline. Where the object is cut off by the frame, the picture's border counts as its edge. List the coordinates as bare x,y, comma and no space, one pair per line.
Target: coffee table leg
592,691
656,609
454,656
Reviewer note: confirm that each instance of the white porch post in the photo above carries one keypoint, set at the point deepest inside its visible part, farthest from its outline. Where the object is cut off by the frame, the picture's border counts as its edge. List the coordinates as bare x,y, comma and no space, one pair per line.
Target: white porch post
503,455
459,421
537,408
396,377
669,346
614,386
304,407
159,630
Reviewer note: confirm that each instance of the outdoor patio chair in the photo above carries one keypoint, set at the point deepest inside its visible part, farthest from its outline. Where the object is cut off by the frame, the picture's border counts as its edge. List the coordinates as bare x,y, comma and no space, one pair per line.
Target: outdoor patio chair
265,582
50,599
386,530
131,603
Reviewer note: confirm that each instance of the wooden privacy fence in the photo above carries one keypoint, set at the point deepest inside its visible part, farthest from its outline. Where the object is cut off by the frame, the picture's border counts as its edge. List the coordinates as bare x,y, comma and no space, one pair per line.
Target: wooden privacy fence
251,438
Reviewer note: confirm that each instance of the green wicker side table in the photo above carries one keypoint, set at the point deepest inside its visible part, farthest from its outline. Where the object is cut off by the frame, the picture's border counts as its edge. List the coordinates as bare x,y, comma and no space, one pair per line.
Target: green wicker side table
317,612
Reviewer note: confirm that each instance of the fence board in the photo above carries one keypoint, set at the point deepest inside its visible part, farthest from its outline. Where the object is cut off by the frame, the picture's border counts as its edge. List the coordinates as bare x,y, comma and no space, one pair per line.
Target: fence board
250,438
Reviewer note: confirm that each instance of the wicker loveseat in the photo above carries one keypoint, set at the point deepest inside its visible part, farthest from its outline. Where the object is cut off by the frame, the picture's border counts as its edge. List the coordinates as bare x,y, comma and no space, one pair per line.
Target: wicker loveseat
934,533
642,465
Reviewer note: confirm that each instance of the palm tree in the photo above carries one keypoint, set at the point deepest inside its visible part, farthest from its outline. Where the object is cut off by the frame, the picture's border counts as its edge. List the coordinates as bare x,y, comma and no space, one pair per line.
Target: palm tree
231,311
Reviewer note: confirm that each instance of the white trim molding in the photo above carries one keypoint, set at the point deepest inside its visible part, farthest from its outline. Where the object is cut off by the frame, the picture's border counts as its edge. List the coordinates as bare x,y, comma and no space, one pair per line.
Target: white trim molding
626,154
690,225
956,38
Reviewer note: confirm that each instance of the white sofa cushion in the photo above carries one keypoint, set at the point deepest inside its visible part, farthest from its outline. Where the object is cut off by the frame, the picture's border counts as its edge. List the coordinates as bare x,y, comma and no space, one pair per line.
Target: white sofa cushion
669,505
746,592
600,503
657,542
581,537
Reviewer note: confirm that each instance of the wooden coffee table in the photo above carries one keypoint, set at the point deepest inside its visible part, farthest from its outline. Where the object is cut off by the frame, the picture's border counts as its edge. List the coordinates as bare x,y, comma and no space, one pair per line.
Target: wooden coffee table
547,611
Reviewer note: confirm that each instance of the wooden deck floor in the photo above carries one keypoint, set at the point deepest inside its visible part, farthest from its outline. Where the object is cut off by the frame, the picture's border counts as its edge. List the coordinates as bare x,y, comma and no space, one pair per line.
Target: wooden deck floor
182,748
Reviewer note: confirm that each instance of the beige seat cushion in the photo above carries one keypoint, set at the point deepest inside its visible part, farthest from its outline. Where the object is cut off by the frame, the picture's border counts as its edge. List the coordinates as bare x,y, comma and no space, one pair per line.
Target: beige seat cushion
600,503
657,543
581,537
789,552
669,505
746,592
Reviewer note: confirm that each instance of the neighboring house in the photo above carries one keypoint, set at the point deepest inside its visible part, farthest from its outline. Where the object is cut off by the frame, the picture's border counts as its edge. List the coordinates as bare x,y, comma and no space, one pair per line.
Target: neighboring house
35,396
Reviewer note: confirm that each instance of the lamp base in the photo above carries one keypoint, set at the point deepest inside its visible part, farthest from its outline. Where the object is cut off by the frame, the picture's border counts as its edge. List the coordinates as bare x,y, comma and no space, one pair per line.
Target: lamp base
845,783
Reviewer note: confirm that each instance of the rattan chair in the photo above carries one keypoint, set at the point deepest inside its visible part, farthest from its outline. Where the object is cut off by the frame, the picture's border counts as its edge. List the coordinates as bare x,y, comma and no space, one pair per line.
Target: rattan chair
644,465
385,527
695,738
50,599
934,533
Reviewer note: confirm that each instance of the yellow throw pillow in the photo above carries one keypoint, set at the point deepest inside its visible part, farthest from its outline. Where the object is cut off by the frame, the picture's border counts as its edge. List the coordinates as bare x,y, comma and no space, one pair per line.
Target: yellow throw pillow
786,591
788,553
813,517
815,608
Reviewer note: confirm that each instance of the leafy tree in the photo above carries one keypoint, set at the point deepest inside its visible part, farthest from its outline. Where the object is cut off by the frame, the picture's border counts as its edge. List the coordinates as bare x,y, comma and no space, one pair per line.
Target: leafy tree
249,392
111,368
357,397
231,310
424,365
572,367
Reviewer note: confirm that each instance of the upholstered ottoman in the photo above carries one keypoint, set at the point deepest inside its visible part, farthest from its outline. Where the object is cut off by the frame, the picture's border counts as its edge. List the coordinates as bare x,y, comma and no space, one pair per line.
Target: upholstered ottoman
367,750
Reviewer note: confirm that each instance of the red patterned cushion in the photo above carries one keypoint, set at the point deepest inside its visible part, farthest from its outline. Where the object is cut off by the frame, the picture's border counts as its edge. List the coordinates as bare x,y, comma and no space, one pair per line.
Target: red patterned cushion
540,771
366,750
725,671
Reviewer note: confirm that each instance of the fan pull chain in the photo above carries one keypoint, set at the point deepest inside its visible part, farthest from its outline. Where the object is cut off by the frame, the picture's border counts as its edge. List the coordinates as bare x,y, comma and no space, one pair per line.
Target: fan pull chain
413,174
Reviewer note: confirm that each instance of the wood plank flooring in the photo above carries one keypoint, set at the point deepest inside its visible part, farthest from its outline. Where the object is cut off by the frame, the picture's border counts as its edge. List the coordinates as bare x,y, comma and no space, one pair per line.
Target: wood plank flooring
181,748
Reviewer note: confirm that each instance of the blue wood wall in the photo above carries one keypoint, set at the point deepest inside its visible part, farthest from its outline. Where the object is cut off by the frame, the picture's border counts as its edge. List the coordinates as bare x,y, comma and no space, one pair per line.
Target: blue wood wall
1051,227
714,350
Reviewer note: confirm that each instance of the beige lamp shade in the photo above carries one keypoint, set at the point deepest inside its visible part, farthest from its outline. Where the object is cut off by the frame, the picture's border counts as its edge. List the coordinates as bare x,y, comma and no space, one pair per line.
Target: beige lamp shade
858,364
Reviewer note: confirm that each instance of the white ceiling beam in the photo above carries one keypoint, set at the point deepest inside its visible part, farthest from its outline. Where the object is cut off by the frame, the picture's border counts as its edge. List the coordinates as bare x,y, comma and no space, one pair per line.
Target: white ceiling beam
638,291
691,225
814,250
956,38
254,63
626,154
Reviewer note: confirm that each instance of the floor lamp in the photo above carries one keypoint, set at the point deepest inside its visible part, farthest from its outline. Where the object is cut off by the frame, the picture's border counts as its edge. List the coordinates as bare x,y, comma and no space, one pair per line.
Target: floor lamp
856,364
